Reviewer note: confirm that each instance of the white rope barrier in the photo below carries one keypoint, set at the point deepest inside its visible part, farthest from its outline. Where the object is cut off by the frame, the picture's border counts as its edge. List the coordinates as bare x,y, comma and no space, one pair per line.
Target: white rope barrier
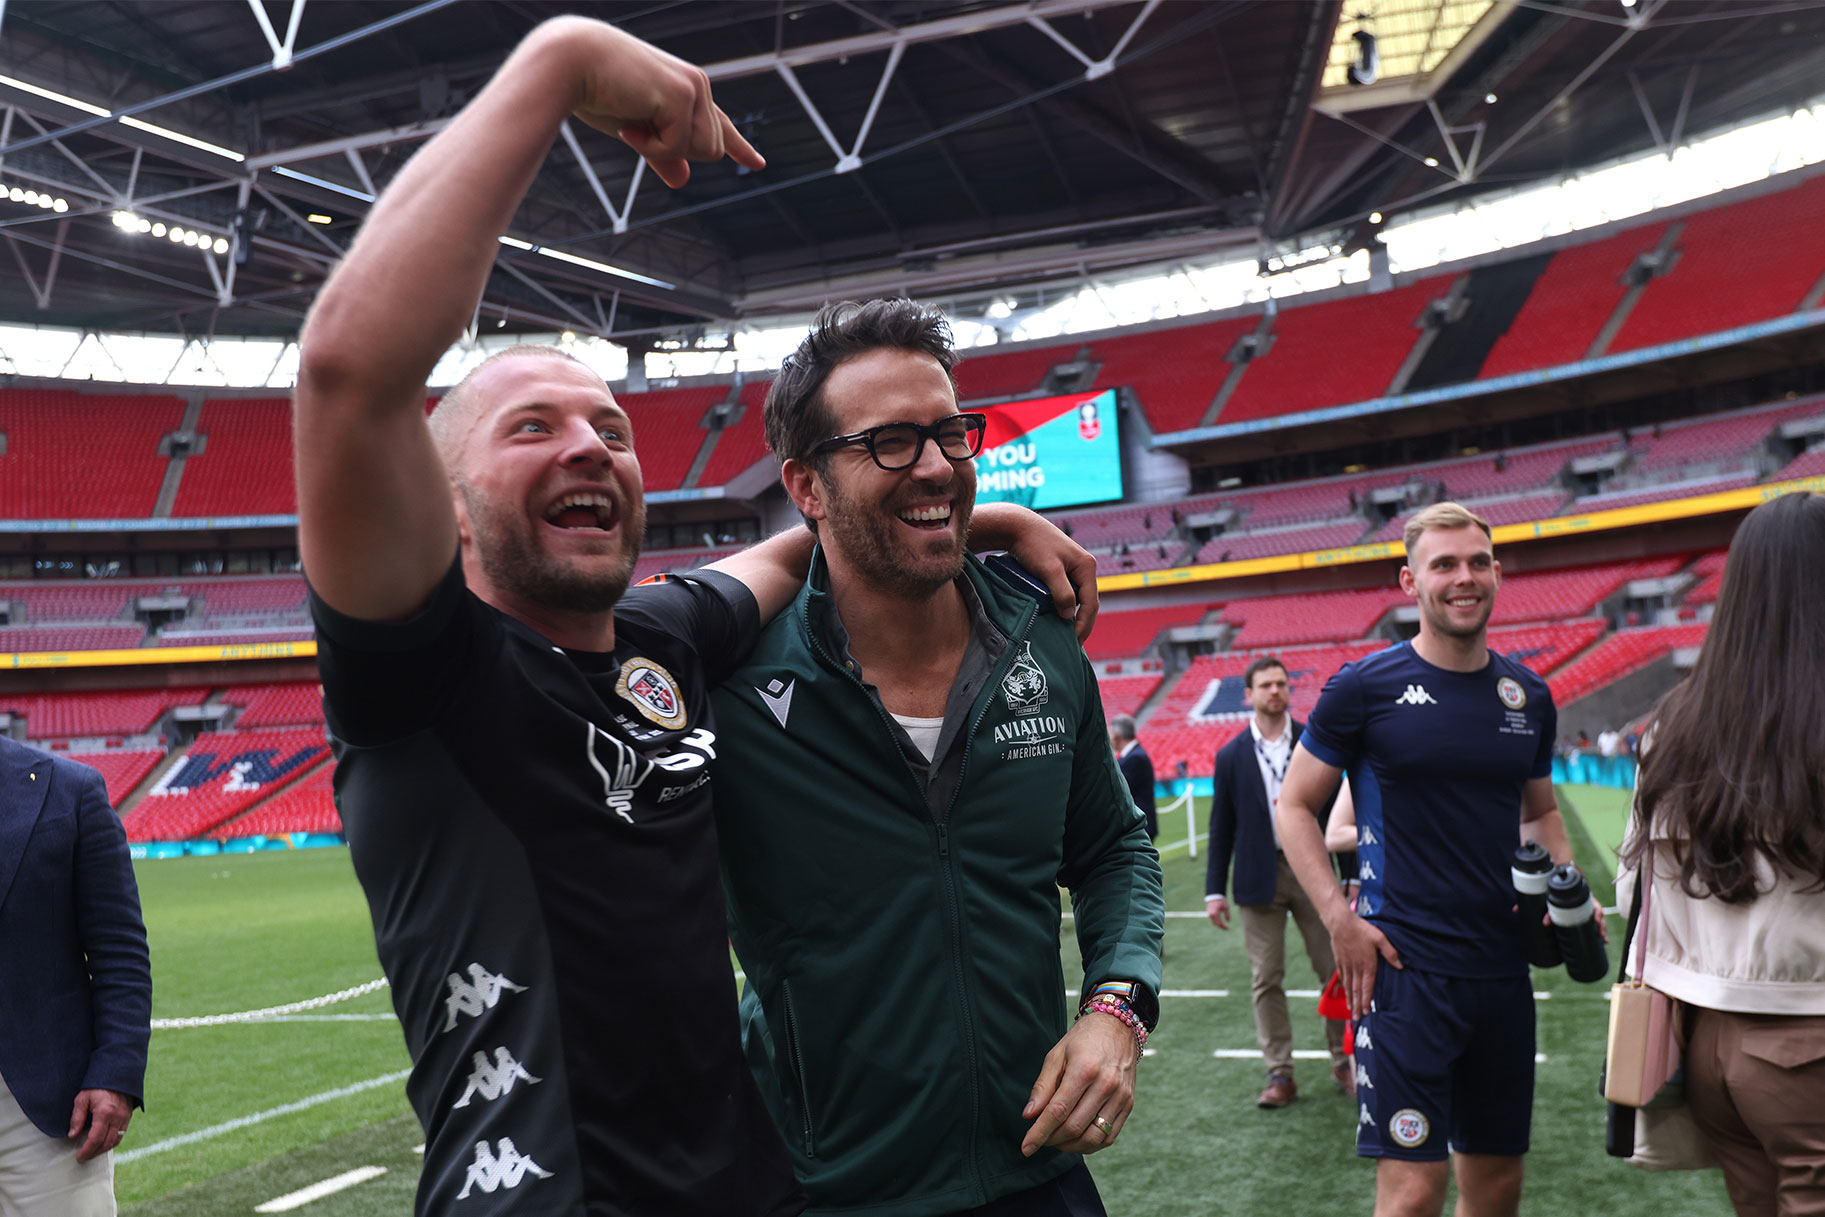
254,1016
1191,817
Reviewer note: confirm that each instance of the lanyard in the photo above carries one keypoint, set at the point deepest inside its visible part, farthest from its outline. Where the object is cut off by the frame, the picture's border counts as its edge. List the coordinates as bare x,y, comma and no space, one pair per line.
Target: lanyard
1279,775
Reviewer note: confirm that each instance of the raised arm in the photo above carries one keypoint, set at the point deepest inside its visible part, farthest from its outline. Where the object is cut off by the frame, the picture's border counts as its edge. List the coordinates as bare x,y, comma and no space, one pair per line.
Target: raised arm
377,527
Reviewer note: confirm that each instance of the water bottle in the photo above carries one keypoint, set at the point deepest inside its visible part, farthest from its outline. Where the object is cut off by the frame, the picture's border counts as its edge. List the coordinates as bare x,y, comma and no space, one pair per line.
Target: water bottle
1532,868
1568,902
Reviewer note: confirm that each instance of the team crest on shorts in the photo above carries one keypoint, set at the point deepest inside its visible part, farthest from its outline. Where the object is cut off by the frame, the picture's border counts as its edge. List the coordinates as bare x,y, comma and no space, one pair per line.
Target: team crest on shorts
652,691
1409,1128
1510,691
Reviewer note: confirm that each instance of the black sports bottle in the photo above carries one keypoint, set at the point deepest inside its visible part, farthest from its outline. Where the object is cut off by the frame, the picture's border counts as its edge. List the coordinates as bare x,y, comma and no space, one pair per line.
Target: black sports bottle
1568,902
1531,869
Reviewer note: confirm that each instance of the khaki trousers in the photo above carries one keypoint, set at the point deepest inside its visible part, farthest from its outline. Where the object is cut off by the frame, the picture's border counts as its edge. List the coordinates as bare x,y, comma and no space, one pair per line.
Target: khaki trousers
1756,1084
1264,937
40,1176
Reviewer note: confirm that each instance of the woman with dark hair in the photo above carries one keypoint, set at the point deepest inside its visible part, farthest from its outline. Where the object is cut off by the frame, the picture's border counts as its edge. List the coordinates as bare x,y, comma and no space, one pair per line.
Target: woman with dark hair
1729,826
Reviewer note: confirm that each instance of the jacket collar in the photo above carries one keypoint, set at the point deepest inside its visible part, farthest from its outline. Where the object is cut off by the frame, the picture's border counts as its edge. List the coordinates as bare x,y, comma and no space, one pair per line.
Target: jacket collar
1009,610
25,779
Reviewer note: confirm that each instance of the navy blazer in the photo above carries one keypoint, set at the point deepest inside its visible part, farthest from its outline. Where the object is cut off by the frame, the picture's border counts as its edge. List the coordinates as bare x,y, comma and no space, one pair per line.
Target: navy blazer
76,999
1241,825
1137,771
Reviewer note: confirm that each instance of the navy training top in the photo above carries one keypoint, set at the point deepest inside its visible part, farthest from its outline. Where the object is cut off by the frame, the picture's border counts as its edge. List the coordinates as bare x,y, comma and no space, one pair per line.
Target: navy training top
1437,762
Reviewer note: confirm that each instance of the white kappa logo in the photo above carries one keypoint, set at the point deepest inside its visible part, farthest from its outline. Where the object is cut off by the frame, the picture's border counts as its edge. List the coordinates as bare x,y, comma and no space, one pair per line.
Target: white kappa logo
1367,872
1024,686
1416,695
1368,837
778,696
1510,691
1362,1079
1408,1128
480,992
493,1081
504,1166
1362,1038
1364,1119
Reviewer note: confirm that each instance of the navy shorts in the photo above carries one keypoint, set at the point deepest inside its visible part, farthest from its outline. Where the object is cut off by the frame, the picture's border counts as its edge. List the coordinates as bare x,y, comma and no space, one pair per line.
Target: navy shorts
1444,1062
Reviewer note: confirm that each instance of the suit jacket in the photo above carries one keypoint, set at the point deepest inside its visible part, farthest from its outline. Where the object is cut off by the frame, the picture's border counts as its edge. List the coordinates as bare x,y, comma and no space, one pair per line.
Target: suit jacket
1137,770
1241,825
76,999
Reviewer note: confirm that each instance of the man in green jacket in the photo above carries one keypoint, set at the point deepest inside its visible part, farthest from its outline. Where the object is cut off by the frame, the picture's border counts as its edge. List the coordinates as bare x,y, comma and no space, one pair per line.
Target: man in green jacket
914,760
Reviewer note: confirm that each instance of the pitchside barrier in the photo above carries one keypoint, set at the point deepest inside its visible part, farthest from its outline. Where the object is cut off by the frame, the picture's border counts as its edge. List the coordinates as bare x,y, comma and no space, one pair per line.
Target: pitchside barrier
141,850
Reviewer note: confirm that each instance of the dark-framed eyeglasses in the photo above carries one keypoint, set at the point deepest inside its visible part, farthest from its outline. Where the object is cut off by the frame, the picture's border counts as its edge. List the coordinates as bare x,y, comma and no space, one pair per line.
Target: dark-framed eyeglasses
900,445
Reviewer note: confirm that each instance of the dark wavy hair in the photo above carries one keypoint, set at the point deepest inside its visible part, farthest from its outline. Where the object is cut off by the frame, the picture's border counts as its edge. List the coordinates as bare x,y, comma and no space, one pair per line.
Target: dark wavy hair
1736,766
797,418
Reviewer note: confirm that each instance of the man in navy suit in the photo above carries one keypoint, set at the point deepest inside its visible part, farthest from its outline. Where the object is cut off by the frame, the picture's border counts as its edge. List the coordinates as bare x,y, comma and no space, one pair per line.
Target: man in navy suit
1245,784
1137,769
76,999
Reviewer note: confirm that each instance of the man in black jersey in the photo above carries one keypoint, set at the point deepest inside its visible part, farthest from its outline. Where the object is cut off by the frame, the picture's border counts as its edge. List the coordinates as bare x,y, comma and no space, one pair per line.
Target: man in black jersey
522,749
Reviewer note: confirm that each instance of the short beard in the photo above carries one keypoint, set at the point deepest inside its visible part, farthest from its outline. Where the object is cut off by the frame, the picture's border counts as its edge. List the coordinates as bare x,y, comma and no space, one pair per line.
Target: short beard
1441,623
517,565
867,540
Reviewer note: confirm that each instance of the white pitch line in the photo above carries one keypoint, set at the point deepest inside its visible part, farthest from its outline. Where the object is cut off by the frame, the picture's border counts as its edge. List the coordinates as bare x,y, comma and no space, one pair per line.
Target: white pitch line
216,1130
301,1018
317,1191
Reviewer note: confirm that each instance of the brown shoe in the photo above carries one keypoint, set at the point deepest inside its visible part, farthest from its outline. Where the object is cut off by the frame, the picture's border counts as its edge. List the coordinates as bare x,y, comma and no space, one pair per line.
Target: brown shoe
1344,1074
1280,1091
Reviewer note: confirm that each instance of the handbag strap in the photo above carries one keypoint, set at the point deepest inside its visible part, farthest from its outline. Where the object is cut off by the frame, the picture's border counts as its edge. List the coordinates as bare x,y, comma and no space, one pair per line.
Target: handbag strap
1644,892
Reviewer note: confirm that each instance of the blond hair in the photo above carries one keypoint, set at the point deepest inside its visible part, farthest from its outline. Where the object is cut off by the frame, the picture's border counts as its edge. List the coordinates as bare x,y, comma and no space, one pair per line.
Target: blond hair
1443,515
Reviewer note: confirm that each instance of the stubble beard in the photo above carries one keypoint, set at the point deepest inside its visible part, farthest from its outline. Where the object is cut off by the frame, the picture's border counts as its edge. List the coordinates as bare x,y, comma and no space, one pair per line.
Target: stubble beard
866,535
1438,615
513,561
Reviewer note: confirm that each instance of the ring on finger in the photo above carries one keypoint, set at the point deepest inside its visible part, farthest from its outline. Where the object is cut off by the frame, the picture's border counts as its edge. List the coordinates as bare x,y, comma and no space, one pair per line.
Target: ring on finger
1103,1126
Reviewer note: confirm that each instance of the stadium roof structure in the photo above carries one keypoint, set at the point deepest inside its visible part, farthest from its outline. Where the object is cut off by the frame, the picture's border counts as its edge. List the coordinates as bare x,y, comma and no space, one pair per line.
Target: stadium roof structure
959,150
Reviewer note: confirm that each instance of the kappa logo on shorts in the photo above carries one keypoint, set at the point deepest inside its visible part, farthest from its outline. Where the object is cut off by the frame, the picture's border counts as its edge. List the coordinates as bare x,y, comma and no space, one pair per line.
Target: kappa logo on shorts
652,691
1362,1078
1362,1038
499,1167
1024,686
480,992
1364,1119
1416,695
1510,691
491,1081
1409,1128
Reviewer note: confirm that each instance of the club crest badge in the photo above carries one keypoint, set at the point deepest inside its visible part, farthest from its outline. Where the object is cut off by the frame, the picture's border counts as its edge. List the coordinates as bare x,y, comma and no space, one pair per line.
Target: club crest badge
1510,691
652,691
1024,686
1409,1128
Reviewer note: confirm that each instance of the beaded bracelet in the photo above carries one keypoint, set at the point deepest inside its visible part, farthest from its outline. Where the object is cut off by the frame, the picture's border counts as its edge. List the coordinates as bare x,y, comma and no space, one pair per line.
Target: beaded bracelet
1116,1008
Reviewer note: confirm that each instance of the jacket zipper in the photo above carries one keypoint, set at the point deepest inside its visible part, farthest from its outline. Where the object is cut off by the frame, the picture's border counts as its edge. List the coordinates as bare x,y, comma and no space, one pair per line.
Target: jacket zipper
946,870
797,1054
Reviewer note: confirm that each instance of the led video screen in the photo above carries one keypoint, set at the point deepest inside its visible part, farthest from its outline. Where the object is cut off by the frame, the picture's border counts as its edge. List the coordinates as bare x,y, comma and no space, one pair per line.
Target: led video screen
1051,452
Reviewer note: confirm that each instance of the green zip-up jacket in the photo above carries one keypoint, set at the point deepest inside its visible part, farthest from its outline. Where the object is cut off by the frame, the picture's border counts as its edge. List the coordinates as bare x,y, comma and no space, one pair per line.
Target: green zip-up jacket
902,961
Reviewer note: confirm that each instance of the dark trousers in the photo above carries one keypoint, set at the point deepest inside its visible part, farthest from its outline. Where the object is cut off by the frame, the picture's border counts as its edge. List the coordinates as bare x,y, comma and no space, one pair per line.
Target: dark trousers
1072,1194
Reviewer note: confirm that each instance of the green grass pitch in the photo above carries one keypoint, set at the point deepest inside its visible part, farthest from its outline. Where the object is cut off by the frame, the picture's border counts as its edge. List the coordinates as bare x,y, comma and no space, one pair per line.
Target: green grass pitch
250,931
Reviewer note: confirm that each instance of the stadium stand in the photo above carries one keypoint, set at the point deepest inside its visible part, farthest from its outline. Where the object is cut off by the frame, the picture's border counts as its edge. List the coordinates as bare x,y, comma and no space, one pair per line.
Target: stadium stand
668,430
70,637
660,561
1731,438
1134,525
1129,559
740,446
1739,263
1238,546
1571,302
1175,373
308,806
1545,647
1515,509
1617,656
1666,490
1556,595
1126,694
293,703
1121,633
987,373
1709,571
246,461
42,601
1332,352
248,595
123,770
221,775
1280,621
72,455
75,715
231,638
1806,464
